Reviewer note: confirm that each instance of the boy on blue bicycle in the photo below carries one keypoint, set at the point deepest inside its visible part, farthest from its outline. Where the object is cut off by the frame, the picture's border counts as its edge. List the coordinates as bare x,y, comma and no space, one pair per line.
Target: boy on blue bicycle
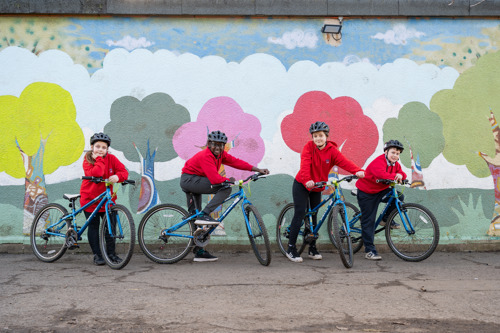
201,172
371,194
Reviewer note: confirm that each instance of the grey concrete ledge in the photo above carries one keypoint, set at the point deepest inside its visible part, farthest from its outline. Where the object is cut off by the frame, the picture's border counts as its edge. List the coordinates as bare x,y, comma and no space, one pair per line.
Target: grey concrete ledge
301,8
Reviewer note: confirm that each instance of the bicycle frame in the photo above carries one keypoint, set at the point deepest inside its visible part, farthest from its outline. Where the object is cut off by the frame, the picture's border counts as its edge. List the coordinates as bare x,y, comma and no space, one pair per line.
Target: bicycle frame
335,198
238,197
105,198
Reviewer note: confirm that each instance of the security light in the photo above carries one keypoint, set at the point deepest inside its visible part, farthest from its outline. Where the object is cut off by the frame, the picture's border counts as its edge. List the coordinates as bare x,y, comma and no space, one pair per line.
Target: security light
331,28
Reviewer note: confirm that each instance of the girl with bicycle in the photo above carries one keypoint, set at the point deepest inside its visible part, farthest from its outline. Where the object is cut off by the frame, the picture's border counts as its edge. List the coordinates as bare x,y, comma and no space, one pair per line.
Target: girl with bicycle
98,162
316,160
201,172
371,194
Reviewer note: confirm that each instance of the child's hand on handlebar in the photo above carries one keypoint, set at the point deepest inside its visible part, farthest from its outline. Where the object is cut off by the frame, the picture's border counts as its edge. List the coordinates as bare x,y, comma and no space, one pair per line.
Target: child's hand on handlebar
262,171
310,184
113,179
398,178
360,174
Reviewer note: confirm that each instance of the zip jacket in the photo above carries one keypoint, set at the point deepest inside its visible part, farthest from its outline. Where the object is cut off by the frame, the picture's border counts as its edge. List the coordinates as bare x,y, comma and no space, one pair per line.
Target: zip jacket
205,164
315,164
104,167
379,168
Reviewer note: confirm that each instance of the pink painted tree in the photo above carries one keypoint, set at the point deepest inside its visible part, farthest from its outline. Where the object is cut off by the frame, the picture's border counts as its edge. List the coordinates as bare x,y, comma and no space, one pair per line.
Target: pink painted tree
224,114
355,133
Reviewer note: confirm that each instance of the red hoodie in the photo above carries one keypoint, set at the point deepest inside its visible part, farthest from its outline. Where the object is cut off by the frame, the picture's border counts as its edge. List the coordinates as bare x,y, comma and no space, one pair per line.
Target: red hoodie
379,168
205,164
315,164
104,167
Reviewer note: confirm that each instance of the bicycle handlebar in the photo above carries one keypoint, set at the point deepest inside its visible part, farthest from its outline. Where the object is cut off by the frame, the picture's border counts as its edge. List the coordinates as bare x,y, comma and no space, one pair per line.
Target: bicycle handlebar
228,183
331,182
101,180
392,181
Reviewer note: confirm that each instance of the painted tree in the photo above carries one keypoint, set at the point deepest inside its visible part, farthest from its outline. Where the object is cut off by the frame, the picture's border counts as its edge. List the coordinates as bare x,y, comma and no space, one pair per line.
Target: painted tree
39,134
146,127
468,123
418,125
355,133
42,34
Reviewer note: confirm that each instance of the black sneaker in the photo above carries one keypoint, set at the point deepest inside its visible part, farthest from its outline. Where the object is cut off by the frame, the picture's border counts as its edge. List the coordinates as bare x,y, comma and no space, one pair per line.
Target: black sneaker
205,219
98,260
394,225
314,254
114,258
292,254
204,255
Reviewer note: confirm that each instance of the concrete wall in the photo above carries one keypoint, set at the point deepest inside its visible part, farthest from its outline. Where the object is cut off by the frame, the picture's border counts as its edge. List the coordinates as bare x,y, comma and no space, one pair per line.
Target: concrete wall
392,8
156,83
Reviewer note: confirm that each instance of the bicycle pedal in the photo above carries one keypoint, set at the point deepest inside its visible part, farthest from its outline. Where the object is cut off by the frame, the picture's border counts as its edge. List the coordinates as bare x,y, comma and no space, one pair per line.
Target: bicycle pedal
74,246
206,223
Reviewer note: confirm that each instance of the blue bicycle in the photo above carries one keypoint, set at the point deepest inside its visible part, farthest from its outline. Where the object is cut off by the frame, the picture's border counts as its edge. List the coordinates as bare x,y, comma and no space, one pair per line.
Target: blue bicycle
413,235
336,206
54,230
167,232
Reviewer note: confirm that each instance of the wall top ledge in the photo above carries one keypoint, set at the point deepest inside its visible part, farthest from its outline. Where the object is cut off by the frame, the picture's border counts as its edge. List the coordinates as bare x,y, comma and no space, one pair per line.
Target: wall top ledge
299,8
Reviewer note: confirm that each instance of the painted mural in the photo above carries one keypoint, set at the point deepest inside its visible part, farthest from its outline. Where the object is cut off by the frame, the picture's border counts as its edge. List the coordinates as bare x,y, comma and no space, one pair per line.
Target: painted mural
157,85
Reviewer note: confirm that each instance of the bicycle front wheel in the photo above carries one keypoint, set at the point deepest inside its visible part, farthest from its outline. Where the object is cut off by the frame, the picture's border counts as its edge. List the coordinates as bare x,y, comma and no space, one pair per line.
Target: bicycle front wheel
283,230
409,245
159,241
49,244
257,234
342,237
117,238
353,216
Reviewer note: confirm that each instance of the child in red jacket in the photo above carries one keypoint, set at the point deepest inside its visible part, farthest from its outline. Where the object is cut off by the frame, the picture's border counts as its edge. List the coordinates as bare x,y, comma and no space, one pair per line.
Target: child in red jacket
201,172
316,160
371,194
98,162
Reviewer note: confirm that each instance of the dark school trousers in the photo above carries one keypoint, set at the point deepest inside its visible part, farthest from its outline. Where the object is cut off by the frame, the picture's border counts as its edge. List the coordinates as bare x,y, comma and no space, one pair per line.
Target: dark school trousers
198,185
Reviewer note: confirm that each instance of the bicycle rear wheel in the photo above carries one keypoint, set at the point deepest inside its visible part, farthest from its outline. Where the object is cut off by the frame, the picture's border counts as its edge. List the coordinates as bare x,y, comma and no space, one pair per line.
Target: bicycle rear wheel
161,248
341,235
257,234
283,230
415,246
117,243
354,224
48,245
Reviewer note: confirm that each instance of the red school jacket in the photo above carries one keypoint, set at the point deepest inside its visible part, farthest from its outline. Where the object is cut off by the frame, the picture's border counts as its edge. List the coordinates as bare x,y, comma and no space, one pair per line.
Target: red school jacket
379,168
315,164
205,164
104,167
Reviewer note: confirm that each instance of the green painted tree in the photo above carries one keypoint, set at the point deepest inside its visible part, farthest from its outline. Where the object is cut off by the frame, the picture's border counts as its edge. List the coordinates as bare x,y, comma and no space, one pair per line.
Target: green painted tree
420,127
468,124
137,126
39,134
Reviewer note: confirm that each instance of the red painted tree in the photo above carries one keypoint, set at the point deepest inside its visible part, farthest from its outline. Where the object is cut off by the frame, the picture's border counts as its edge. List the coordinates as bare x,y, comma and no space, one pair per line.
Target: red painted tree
355,133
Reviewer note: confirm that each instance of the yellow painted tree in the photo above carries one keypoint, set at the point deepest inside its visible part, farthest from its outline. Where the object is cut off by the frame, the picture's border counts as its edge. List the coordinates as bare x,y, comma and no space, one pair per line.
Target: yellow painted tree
39,133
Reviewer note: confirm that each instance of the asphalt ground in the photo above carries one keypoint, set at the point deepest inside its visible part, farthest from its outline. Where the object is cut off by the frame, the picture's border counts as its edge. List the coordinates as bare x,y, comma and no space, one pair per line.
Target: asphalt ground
449,292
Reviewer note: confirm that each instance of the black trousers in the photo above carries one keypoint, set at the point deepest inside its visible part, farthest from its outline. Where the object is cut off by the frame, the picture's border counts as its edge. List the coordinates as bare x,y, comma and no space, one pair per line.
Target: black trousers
198,185
301,196
93,234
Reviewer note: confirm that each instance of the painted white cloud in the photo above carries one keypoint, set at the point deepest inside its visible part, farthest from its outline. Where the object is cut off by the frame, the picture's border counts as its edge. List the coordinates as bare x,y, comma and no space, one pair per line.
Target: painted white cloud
260,84
296,38
399,35
130,43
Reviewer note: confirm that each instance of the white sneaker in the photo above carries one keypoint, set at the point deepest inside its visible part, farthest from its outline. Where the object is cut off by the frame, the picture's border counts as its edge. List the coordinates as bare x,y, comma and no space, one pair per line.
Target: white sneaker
293,255
372,256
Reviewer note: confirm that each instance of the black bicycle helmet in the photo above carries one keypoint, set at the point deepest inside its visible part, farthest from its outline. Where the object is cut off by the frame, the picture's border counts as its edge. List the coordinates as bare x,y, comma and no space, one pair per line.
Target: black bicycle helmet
319,126
100,137
217,136
394,144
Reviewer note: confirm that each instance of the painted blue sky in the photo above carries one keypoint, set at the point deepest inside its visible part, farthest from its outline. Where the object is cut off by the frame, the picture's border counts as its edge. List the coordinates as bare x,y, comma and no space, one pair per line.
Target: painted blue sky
373,40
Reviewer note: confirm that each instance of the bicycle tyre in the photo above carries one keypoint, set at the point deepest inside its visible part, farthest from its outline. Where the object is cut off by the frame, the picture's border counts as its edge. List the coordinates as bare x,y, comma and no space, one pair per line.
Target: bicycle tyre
169,249
48,248
257,233
417,246
341,236
354,224
283,230
123,241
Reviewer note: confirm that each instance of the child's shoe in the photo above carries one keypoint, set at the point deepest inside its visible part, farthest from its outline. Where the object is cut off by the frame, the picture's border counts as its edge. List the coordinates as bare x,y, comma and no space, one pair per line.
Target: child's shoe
372,255
314,254
292,254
